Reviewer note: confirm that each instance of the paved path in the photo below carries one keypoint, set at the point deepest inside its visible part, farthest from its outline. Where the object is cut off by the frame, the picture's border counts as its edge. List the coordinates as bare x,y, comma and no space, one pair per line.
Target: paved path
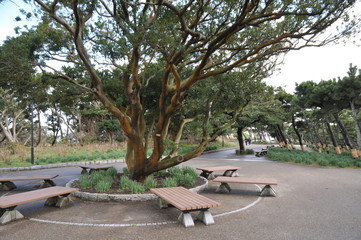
312,203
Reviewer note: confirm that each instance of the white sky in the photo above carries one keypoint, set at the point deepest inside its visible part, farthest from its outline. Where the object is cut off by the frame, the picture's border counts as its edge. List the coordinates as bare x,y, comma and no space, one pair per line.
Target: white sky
307,64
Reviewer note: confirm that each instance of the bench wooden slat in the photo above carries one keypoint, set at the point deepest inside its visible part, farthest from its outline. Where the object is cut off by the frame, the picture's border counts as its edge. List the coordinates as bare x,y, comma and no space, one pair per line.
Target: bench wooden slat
184,199
25,197
263,181
25,178
219,168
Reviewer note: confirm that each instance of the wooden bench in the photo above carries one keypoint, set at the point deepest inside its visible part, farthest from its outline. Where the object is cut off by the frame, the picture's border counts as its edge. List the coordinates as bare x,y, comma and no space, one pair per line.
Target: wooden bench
186,201
263,152
266,191
7,182
207,172
93,168
56,196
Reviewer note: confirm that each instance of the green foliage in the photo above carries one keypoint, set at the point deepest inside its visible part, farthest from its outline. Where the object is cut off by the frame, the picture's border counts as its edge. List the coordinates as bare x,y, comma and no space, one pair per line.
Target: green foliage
170,182
310,158
85,182
246,152
83,157
125,171
150,182
136,187
125,182
112,172
104,185
188,180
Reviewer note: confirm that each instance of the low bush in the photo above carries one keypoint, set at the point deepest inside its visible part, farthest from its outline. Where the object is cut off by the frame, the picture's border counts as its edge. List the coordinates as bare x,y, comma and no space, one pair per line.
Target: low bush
85,182
170,182
150,182
136,187
322,159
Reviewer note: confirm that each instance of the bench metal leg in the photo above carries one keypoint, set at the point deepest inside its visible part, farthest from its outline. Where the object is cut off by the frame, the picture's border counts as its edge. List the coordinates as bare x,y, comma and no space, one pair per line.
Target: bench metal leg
224,188
84,171
186,219
58,201
10,214
7,186
206,217
268,191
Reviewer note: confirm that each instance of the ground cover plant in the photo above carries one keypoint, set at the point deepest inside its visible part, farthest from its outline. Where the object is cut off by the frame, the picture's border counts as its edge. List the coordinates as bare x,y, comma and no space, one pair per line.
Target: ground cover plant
110,181
313,158
246,152
63,153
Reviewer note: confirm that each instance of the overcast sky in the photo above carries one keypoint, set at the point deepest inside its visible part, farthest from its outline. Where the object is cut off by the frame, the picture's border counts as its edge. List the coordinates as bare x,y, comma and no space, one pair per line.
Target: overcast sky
307,64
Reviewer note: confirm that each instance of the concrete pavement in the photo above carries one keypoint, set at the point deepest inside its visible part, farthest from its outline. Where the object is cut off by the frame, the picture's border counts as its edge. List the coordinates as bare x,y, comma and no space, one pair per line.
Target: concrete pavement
312,203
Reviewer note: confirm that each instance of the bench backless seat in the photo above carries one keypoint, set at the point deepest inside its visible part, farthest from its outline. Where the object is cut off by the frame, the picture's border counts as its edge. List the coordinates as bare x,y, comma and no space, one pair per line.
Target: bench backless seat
93,167
56,196
266,191
7,182
186,201
207,172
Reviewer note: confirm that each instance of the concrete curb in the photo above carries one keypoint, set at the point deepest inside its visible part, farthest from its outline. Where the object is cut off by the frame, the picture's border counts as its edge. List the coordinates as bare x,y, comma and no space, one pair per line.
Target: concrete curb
59,165
104,197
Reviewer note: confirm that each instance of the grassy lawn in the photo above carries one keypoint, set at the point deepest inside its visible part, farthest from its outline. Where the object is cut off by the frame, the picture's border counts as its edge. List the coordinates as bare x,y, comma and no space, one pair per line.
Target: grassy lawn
19,156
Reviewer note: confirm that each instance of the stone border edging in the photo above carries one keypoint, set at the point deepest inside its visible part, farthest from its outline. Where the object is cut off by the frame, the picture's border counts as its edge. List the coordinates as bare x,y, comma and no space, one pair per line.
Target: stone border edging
59,165
104,197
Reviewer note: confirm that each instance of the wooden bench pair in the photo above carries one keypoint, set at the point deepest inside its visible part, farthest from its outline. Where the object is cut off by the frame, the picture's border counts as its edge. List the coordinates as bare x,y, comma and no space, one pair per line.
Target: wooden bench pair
186,201
266,191
56,196
207,172
93,167
7,182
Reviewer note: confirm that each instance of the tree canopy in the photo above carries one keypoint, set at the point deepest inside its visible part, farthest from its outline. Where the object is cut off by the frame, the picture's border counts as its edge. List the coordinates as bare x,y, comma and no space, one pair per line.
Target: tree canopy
155,52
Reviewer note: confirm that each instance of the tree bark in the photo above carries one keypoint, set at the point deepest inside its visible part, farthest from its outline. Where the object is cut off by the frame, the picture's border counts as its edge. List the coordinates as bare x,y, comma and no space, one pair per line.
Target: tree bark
357,125
332,136
39,130
240,139
297,133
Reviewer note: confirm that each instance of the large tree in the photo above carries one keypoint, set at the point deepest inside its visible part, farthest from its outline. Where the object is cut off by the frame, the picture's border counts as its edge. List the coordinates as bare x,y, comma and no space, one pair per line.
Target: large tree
189,40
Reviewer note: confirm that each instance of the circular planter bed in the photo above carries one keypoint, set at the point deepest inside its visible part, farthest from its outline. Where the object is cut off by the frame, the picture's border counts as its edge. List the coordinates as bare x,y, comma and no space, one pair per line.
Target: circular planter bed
200,185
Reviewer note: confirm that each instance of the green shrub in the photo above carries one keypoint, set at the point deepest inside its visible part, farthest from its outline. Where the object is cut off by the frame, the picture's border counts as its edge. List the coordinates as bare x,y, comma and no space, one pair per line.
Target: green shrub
85,182
170,182
175,172
188,180
188,170
97,176
125,182
136,187
150,182
342,164
323,162
309,161
125,171
246,152
112,172
104,185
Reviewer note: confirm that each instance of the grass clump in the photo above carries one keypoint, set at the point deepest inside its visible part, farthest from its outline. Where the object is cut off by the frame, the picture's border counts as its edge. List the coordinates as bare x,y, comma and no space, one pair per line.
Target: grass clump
136,187
85,182
313,158
150,182
170,182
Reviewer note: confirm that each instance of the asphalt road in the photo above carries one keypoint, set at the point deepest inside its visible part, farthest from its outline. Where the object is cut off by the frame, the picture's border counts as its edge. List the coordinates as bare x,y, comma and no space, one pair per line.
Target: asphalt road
311,203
